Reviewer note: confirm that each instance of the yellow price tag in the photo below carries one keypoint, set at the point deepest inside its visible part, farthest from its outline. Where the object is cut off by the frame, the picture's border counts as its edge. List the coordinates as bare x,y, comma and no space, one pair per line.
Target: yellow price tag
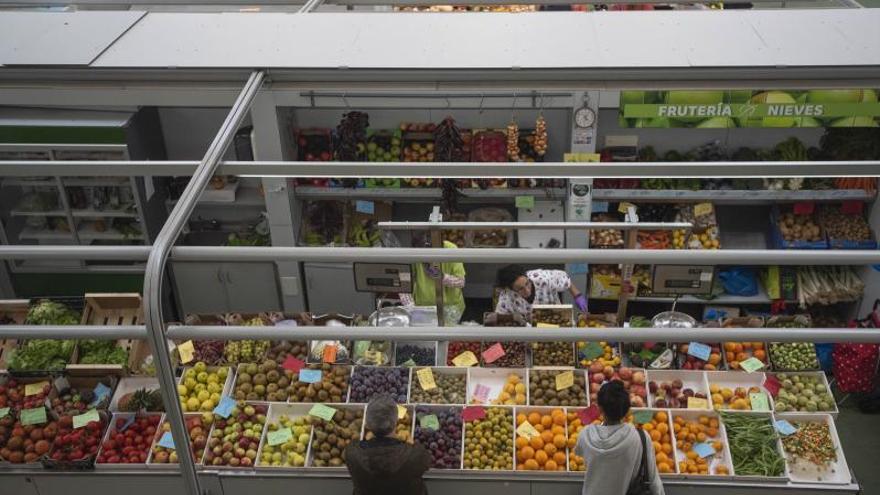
547,325
34,388
401,412
426,379
466,358
702,209
527,430
187,351
697,403
564,380
623,207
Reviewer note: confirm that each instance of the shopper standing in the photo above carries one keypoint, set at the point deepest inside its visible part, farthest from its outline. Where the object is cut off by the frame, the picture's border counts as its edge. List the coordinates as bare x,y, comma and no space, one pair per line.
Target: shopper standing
384,465
522,289
424,276
619,458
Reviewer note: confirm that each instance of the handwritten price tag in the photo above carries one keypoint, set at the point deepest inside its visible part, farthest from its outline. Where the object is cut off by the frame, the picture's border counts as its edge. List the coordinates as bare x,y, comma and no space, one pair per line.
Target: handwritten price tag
697,403
702,209
321,411
401,412
35,416
225,407
704,450
525,201
589,414
699,350
166,441
784,427
310,376
547,325
481,393
493,353
426,379
466,358
34,388
329,354
804,208
564,380
365,207
187,352
4,412
771,383
83,419
293,364
472,413
642,417
593,350
527,430
624,207
409,363
430,422
278,437
101,392
759,401
751,365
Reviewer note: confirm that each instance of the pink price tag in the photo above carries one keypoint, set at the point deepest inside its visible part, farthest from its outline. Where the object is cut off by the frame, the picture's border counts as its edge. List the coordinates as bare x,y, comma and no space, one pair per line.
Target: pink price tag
588,415
851,207
473,413
772,385
493,353
805,208
292,364
481,393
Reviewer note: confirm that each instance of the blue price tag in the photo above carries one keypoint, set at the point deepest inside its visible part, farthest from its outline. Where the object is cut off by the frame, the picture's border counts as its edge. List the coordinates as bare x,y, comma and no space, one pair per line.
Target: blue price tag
784,427
365,207
699,350
310,376
600,207
224,408
127,423
578,268
101,392
704,450
166,440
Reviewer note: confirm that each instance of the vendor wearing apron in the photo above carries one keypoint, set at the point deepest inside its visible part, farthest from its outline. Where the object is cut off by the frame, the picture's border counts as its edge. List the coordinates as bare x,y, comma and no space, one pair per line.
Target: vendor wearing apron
423,277
522,289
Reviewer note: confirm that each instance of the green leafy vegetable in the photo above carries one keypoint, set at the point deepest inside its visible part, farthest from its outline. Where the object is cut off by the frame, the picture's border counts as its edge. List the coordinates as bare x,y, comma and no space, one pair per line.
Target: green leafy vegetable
101,352
41,355
51,313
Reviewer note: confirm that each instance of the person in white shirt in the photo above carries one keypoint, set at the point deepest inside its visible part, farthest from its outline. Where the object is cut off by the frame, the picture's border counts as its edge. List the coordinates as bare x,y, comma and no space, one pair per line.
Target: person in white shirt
522,289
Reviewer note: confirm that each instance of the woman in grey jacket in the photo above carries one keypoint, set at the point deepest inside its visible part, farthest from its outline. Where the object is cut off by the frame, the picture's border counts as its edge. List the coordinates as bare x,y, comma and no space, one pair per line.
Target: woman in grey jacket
612,451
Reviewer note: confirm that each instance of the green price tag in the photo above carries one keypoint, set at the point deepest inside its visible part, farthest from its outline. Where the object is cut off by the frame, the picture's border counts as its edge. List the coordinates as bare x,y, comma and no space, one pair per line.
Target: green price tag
593,350
430,422
321,411
278,437
35,416
751,364
408,363
85,418
759,401
525,201
642,417
4,412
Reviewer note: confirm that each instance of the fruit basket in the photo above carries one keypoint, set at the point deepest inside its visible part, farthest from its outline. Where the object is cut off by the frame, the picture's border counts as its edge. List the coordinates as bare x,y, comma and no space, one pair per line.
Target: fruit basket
493,238
347,426
559,315
125,425
814,453
807,392
17,449
660,421
737,352
29,392
557,387
514,354
792,356
333,380
578,418
634,382
75,449
367,382
200,386
162,453
691,428
449,386
606,238
77,394
278,450
267,381
497,422
497,386
457,350
730,390
239,433
373,352
705,234
416,353
688,359
448,428
674,389
790,230
553,354
541,439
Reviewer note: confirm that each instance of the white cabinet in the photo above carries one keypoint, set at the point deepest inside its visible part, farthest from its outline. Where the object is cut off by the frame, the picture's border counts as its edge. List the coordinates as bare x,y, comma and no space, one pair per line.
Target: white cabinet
244,287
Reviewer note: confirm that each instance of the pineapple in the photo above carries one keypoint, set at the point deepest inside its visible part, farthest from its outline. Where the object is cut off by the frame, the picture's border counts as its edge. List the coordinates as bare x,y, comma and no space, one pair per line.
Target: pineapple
141,400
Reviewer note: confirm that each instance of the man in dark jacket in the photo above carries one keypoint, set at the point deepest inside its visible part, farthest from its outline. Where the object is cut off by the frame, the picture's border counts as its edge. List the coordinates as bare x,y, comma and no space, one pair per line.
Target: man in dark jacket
384,465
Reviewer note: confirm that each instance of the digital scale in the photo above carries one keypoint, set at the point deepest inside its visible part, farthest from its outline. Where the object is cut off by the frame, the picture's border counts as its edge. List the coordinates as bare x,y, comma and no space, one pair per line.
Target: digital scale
682,279
383,277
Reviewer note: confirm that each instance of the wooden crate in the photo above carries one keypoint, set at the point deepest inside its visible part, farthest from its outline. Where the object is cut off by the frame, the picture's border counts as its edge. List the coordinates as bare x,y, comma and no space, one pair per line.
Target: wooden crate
15,310
113,310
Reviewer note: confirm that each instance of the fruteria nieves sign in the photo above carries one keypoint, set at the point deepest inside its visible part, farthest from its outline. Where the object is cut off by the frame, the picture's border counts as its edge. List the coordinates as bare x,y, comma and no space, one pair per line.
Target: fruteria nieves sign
752,110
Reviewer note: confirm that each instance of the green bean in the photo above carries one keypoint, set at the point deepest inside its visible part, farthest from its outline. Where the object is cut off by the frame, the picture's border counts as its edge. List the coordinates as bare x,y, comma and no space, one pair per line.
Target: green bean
753,445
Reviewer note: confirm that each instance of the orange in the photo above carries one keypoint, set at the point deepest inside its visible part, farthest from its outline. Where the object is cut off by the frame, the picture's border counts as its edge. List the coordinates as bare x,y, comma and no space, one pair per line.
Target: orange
717,446
547,436
747,345
731,356
657,446
648,426
534,418
704,420
559,419
758,345
741,356
547,421
760,354
557,430
714,359
550,448
559,458
537,443
667,448
520,467
520,419
664,468
661,417
663,427
712,432
737,348
666,438
541,457
539,427
531,465
550,465
713,422
692,455
526,453
521,442
572,442
559,441
729,346
656,435
721,469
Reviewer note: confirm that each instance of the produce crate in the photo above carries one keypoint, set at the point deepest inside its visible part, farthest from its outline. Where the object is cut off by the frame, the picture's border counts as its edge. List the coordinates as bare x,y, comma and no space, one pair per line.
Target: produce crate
800,471
313,144
515,354
747,477
227,385
113,310
732,380
543,411
513,439
292,411
495,379
111,430
356,371
554,372
686,362
671,456
832,217
694,380
428,346
706,233
822,378
778,241
423,410
605,282
12,312
84,464
373,352
490,238
339,407
415,384
561,315
81,383
343,351
208,464
719,459
151,464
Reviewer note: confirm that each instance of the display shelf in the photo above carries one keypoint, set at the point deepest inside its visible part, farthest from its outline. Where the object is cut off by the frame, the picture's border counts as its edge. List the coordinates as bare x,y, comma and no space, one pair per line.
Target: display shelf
759,298
245,196
97,182
25,182
87,232
47,213
422,194
44,235
120,213
731,196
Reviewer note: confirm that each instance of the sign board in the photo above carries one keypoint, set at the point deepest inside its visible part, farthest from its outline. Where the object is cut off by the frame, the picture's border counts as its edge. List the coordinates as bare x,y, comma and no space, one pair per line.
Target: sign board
682,279
383,277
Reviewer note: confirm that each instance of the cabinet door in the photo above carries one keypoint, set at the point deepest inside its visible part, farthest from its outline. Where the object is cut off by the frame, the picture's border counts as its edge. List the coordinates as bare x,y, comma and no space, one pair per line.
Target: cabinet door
330,288
200,287
252,287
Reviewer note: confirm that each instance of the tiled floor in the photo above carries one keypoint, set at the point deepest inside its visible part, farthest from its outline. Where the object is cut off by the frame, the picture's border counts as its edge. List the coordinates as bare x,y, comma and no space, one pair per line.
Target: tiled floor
860,436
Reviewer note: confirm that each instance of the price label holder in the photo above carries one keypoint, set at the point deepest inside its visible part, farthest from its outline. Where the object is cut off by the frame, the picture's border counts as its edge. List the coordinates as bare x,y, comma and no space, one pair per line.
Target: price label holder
784,427
293,364
704,450
187,352
699,350
81,420
321,411
34,388
751,365
279,436
465,359
426,379
472,413
588,414
527,430
35,416
430,422
642,417
225,407
759,401
493,353
564,380
697,403
166,440
310,376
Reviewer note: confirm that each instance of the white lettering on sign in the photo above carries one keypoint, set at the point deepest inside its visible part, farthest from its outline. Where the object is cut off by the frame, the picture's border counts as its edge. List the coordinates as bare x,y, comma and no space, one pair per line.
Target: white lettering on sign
795,110
719,110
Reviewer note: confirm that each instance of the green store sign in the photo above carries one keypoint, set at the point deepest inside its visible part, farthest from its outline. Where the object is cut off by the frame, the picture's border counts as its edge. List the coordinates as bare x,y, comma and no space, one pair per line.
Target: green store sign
738,108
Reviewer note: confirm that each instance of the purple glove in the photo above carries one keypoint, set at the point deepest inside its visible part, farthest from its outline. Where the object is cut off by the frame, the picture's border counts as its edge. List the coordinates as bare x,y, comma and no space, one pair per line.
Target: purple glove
581,302
432,271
